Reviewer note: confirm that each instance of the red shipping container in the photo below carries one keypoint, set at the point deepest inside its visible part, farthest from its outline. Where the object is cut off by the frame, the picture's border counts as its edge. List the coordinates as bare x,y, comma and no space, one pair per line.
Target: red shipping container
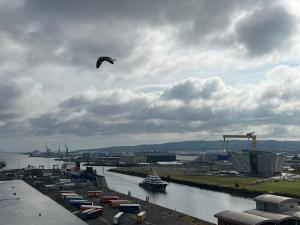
106,199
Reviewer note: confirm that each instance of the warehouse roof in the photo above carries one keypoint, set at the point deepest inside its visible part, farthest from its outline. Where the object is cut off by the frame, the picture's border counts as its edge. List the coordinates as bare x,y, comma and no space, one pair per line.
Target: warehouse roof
273,199
295,213
22,204
243,218
275,216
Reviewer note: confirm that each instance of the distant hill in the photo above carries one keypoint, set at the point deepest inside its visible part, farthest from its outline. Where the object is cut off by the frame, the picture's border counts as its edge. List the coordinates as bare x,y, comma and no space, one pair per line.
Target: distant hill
200,146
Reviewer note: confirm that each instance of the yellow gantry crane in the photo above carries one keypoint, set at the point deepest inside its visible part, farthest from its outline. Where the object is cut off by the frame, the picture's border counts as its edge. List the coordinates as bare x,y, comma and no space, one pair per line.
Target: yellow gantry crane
249,136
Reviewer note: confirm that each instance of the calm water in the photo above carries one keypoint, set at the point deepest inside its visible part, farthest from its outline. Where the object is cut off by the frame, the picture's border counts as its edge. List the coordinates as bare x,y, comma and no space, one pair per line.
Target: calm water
189,200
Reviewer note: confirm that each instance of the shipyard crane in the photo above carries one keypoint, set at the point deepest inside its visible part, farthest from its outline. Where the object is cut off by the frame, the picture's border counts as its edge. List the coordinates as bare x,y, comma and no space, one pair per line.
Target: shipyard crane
47,149
67,149
249,136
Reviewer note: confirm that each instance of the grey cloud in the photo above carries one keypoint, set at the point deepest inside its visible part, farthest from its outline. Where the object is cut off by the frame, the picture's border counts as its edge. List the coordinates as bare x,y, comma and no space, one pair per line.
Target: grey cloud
265,30
60,35
196,18
8,93
193,89
74,102
19,100
86,28
115,112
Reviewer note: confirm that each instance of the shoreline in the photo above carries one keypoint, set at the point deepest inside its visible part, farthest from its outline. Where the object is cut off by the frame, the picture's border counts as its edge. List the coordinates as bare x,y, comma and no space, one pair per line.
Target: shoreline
212,187
181,216
156,214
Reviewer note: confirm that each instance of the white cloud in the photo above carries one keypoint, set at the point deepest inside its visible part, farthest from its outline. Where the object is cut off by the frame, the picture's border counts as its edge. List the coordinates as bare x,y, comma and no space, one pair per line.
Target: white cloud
190,106
50,87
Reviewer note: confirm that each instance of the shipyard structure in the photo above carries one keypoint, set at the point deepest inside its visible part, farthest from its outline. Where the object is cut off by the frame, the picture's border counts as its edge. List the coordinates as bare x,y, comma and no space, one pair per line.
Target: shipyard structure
252,161
260,163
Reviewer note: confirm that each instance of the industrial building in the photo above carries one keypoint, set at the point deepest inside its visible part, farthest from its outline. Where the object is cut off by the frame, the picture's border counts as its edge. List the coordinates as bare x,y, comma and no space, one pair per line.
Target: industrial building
133,159
270,209
154,157
253,162
258,163
21,204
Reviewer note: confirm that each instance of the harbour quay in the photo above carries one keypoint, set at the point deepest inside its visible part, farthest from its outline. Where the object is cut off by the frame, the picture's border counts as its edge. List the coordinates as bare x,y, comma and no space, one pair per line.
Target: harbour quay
38,198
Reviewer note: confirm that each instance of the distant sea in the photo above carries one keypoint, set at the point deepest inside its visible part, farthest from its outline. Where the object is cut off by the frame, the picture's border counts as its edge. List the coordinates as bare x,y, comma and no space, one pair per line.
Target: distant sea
18,161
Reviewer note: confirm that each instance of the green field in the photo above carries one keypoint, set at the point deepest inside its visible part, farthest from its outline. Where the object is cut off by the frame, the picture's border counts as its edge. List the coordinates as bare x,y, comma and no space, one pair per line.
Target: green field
283,187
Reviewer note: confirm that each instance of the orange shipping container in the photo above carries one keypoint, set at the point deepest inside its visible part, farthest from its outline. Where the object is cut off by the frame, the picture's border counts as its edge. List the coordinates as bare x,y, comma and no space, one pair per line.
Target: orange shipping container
94,194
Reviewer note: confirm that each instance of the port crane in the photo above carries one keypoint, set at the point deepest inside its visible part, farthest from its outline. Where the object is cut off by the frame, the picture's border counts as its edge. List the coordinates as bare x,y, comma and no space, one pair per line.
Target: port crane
47,149
67,149
248,136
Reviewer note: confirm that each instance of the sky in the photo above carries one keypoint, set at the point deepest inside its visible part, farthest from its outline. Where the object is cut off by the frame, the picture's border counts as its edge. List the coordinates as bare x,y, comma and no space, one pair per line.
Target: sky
184,70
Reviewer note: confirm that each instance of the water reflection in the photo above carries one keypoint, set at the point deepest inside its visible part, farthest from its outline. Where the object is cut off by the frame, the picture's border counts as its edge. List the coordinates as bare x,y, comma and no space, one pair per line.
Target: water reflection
194,201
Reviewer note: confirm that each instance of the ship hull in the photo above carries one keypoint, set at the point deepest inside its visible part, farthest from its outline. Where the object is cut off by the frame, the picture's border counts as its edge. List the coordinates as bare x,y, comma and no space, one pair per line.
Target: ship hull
154,187
2,164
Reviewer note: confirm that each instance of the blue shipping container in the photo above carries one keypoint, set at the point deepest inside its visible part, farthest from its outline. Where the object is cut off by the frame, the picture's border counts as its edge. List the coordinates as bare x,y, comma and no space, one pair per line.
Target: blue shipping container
129,208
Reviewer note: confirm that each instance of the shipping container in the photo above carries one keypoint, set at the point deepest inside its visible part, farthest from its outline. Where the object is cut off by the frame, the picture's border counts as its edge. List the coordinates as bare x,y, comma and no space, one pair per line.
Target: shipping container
51,187
90,213
94,194
62,195
129,208
117,217
61,192
72,197
78,203
116,203
141,217
67,186
86,207
106,199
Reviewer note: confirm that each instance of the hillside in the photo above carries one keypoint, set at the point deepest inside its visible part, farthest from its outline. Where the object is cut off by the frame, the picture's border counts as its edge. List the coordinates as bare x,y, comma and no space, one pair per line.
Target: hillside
200,146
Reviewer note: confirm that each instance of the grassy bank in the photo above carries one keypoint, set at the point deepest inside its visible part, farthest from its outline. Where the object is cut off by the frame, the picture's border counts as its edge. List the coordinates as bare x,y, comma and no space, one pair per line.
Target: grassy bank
286,188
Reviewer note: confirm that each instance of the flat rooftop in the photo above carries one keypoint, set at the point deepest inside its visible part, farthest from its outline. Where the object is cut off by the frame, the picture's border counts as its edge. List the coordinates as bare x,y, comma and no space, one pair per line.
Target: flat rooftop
21,204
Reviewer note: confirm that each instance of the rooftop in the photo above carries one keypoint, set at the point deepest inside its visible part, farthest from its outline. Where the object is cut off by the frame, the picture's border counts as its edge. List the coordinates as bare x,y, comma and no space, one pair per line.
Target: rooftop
273,199
275,216
243,218
21,204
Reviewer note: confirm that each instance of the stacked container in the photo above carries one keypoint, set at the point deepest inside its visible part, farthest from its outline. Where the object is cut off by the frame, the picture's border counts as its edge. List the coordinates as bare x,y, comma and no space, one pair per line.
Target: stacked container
130,208
94,194
106,199
116,203
90,213
86,207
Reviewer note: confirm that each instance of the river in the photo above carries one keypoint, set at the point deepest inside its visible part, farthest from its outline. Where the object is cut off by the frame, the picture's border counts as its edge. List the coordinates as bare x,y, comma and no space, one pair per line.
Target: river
193,201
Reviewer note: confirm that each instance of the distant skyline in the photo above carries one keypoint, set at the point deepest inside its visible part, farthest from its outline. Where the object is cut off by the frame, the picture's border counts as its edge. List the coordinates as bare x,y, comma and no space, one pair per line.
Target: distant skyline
184,70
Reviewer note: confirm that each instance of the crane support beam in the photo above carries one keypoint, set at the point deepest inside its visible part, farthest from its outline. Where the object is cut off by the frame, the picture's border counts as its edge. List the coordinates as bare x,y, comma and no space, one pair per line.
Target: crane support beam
248,136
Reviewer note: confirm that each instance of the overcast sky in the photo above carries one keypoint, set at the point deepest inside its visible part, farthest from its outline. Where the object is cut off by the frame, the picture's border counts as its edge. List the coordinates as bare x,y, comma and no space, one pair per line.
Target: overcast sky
185,70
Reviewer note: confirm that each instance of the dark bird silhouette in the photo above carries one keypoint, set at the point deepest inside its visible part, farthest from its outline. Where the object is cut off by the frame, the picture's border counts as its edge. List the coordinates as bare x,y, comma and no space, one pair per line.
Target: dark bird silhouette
102,59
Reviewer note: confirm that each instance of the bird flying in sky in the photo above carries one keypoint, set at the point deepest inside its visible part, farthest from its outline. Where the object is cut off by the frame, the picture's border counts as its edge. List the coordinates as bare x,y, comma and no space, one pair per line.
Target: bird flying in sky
102,59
